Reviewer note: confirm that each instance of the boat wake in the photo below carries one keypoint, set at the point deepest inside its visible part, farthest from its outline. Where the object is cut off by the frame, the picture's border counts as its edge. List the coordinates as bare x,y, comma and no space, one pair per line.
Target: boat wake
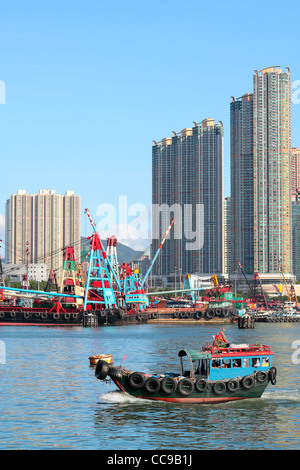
282,395
288,396
117,396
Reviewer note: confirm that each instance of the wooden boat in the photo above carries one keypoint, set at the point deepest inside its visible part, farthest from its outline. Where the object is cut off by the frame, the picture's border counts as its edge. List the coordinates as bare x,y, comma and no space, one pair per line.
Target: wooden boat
217,373
105,357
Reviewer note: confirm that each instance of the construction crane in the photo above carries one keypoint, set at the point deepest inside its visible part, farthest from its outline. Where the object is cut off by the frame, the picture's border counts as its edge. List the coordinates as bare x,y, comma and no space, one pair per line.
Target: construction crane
187,287
293,294
214,281
99,289
52,281
132,290
285,283
248,283
157,253
257,285
111,252
69,281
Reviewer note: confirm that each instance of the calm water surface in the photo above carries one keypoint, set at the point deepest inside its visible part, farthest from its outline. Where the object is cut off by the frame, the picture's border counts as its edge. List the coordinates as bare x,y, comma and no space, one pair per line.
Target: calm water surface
50,398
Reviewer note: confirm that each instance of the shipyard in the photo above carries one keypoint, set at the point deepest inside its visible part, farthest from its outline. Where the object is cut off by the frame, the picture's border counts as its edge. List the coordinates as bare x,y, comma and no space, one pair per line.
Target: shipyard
149,229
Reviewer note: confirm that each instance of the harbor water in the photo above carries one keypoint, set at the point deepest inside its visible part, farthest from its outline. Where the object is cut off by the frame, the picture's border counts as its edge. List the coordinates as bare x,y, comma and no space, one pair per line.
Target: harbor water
50,398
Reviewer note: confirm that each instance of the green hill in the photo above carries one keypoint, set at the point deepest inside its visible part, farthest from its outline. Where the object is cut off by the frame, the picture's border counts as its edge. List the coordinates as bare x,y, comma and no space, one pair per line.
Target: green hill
124,253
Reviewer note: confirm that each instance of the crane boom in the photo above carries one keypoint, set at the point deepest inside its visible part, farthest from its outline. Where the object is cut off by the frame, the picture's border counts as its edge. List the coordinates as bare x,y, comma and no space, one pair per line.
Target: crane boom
248,283
106,259
287,290
157,253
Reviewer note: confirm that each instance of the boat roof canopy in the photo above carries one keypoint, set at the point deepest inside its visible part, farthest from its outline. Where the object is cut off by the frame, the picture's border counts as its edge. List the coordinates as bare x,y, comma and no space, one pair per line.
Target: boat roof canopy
194,354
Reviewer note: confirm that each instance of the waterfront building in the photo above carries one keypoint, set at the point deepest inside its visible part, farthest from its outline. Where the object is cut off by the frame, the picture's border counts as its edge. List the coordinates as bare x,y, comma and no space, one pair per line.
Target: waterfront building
272,170
38,272
39,226
241,163
295,177
187,184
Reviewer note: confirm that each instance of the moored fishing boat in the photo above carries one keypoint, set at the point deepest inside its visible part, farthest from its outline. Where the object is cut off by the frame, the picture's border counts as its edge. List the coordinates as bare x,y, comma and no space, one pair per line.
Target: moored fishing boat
218,373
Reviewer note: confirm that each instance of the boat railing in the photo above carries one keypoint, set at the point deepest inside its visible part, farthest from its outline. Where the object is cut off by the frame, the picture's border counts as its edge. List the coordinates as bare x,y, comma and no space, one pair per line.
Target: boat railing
239,350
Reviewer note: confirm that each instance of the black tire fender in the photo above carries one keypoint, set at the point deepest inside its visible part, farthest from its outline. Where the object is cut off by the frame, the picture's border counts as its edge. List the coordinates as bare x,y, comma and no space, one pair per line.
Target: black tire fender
233,385
201,385
261,376
247,382
219,387
209,314
115,373
102,368
272,375
168,385
137,380
152,385
185,387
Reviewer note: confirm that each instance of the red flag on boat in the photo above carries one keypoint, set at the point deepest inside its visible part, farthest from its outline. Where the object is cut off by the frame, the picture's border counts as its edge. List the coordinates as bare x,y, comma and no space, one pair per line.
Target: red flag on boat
220,340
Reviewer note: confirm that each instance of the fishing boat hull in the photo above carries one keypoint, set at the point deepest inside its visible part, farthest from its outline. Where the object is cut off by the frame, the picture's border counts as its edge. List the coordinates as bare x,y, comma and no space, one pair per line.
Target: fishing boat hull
14,316
185,390
216,392
190,315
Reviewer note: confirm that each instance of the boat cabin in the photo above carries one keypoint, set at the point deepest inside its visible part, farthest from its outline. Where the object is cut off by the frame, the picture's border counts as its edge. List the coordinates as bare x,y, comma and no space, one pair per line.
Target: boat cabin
225,363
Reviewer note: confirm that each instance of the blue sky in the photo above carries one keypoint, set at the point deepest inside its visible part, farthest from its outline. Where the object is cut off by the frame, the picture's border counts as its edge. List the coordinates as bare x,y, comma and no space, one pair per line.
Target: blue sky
90,84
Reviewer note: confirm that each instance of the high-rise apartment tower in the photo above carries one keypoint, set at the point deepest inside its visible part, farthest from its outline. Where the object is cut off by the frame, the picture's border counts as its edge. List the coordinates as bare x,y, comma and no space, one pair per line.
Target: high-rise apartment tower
46,223
241,161
187,181
272,170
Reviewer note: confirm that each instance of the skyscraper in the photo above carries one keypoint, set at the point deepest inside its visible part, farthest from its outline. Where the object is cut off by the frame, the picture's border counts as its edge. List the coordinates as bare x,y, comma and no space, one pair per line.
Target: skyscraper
187,179
47,222
241,162
271,170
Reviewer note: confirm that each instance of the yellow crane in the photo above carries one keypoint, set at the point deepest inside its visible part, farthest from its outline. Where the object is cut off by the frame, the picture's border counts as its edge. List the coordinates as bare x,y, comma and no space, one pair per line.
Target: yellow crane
287,290
214,281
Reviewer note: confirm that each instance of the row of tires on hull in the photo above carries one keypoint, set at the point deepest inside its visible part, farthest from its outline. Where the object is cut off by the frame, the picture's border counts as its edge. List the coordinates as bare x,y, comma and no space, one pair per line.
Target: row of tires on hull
185,386
208,314
224,312
110,312
38,315
278,319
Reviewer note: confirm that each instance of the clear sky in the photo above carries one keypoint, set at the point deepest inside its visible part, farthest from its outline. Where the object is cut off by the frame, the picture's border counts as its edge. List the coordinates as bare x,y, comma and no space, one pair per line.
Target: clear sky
90,84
